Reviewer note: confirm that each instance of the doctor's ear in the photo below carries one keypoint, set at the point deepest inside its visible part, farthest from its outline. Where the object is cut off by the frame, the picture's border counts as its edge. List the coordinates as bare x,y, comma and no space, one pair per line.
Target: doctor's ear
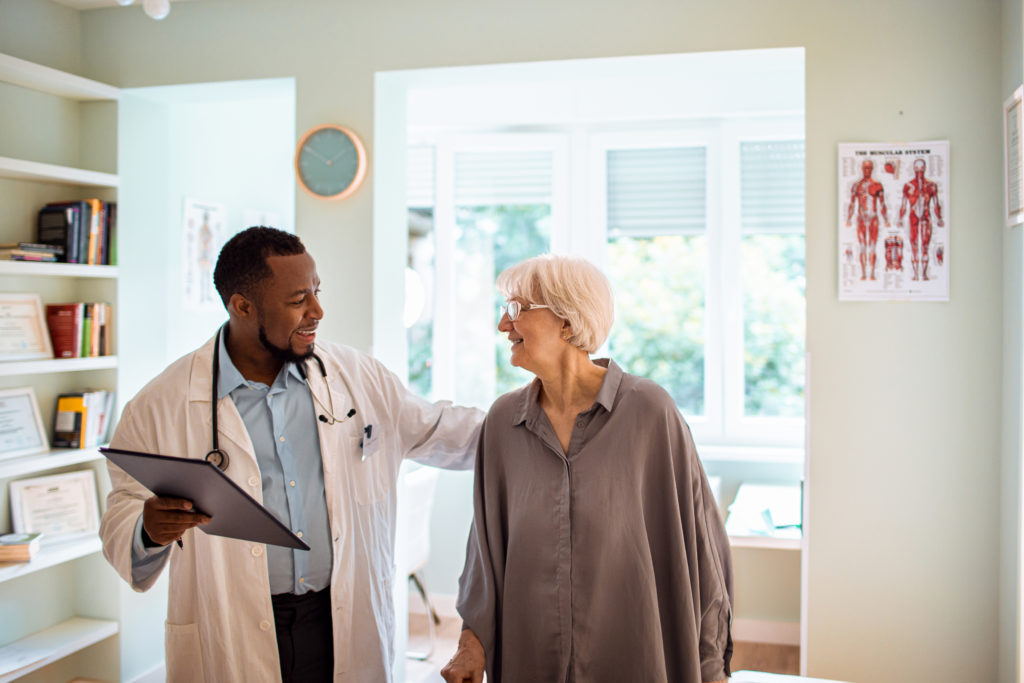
240,306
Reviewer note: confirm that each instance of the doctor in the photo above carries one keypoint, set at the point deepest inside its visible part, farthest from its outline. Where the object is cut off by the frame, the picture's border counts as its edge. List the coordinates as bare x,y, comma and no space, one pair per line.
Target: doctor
314,431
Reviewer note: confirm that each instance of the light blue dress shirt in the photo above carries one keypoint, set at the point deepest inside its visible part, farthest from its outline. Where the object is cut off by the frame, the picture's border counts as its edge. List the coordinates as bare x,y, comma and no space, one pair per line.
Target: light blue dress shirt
281,422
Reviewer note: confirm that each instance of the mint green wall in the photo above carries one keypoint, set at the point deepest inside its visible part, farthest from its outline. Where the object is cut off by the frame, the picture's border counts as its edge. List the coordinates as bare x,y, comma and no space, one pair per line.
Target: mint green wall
1012,22
906,409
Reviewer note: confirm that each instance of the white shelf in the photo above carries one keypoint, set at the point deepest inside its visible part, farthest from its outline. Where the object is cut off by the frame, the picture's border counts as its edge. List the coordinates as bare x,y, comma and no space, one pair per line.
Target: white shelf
51,555
44,79
20,169
48,365
75,270
58,457
47,646
766,542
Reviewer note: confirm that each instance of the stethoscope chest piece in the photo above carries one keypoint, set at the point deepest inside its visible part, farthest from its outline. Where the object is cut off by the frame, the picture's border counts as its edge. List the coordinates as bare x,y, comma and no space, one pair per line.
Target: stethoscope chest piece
218,458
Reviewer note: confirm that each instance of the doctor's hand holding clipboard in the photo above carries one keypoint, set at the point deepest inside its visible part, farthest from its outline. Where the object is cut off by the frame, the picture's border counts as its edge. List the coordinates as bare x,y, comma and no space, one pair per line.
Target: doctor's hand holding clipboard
166,519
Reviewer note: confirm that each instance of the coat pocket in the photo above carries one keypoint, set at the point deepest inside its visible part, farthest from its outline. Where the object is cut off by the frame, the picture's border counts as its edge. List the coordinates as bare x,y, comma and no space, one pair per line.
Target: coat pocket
183,653
370,471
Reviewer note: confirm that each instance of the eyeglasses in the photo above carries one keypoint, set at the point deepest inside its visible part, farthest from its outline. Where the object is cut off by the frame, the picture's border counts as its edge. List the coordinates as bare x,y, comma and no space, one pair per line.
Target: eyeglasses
513,308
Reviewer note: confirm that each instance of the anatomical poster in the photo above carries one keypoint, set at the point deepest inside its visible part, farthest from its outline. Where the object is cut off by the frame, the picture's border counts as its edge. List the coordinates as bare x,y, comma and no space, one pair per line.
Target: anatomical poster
894,221
203,234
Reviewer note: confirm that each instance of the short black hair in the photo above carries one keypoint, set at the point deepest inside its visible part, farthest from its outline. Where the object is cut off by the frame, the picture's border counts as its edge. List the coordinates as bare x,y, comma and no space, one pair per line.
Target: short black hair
242,264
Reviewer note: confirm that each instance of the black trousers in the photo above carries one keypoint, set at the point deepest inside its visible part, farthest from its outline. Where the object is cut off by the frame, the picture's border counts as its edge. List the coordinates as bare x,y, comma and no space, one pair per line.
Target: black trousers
305,642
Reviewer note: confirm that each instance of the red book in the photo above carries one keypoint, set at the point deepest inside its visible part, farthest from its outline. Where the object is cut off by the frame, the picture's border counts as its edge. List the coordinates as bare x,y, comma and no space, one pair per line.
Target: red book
64,322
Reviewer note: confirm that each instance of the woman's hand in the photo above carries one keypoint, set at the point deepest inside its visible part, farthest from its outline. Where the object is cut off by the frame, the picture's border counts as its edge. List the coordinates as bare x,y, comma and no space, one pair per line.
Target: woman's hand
468,662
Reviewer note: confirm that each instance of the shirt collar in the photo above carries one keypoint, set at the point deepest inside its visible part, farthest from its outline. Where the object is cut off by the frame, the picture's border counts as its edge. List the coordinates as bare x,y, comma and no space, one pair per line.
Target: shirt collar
529,409
230,378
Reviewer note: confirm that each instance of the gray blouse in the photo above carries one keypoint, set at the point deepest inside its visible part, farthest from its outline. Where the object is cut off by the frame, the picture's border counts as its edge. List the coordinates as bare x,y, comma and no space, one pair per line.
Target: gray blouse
606,563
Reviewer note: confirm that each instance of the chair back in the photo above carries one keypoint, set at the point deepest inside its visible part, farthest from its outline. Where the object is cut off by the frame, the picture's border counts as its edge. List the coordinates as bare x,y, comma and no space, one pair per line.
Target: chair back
419,487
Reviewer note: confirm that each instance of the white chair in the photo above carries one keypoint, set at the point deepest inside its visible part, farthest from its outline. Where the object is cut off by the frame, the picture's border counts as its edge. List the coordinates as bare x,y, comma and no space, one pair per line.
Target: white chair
419,487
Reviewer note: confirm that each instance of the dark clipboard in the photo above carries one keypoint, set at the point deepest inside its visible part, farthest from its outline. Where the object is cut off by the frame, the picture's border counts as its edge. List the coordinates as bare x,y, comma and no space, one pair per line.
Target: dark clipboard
234,513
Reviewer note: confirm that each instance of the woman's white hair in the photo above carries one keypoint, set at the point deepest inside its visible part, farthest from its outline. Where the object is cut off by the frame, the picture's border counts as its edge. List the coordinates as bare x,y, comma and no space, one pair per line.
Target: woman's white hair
575,290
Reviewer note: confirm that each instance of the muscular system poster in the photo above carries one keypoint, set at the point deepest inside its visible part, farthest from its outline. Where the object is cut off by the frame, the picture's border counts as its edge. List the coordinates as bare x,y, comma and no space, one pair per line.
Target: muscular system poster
894,221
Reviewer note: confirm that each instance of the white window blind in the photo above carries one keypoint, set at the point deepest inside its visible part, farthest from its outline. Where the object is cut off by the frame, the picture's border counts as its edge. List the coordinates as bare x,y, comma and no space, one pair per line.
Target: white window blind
419,187
657,191
772,186
503,177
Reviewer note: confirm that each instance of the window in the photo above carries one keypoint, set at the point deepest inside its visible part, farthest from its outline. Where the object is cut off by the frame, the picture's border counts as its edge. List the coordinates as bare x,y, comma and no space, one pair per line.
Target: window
700,228
495,206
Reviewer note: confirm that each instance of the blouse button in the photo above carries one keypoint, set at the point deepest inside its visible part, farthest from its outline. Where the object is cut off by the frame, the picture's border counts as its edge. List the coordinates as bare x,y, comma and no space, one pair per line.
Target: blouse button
264,625
254,481
257,550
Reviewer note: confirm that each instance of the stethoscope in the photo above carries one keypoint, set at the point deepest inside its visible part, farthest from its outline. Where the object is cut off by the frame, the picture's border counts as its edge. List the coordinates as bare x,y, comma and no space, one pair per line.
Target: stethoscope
217,456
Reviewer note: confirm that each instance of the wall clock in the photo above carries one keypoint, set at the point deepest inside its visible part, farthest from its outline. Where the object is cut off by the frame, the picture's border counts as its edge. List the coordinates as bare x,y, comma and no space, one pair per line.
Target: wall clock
330,162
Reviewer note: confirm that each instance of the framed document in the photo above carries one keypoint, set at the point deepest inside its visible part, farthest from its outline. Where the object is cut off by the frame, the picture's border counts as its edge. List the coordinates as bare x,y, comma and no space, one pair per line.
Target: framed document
1013,152
21,427
56,505
23,332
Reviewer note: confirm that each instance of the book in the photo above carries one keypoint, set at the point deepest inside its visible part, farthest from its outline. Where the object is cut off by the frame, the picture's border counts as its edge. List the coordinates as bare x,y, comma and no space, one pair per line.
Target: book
82,418
110,236
18,547
30,251
86,336
95,229
69,421
63,224
64,322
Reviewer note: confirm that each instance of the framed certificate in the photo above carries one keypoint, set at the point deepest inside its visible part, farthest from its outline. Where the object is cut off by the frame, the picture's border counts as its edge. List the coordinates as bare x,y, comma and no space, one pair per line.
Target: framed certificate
21,426
23,332
56,505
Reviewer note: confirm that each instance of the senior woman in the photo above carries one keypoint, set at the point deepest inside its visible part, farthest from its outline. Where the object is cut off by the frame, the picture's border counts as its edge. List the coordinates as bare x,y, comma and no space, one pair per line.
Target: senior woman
597,553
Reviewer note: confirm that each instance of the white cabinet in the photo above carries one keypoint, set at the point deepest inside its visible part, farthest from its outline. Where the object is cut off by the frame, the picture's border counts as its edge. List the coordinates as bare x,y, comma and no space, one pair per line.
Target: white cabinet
60,614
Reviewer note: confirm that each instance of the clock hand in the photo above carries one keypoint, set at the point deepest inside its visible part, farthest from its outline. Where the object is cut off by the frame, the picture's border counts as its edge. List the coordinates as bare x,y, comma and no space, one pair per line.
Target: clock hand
336,156
316,154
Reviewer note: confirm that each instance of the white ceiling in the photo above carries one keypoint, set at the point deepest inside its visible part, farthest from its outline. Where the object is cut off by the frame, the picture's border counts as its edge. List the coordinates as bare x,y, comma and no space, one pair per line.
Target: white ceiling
93,4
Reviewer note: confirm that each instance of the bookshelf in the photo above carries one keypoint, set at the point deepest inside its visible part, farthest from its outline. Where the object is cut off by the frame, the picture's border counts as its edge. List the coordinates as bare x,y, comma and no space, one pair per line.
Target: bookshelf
69,599
22,169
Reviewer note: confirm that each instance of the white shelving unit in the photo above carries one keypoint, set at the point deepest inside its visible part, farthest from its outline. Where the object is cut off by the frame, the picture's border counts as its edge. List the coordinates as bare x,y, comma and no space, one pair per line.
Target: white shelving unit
58,457
68,596
49,173
45,647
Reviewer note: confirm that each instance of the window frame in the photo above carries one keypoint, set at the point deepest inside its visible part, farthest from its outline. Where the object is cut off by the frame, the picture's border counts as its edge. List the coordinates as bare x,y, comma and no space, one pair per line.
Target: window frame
579,227
446,147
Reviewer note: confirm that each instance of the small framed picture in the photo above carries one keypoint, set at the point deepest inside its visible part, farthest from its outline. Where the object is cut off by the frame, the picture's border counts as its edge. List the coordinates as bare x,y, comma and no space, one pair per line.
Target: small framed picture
21,426
58,505
23,332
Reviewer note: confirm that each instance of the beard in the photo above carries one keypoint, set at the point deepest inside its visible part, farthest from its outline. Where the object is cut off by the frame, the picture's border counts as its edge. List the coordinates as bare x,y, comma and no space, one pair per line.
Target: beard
283,355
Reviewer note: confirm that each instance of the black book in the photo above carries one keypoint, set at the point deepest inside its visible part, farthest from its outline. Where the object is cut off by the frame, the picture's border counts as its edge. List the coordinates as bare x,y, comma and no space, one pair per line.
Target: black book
63,224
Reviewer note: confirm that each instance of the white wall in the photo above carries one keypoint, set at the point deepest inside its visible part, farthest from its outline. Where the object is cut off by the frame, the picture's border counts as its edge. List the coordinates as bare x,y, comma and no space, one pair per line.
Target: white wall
905,506
228,144
1013,353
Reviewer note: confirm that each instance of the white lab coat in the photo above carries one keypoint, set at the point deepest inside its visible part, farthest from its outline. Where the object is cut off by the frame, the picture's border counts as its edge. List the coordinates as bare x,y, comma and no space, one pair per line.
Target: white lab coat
220,621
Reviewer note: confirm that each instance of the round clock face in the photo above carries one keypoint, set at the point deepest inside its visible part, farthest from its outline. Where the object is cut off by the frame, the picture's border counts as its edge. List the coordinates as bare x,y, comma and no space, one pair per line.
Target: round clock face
330,162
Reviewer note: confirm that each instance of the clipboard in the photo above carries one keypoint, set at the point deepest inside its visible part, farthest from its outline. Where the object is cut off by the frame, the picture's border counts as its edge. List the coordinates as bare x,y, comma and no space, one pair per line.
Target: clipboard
233,512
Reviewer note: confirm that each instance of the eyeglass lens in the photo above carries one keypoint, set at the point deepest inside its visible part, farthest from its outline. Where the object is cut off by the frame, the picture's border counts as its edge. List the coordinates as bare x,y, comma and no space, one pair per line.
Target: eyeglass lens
512,310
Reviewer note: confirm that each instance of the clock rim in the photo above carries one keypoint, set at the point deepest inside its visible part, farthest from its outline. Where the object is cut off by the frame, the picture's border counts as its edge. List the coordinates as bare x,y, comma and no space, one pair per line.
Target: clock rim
357,180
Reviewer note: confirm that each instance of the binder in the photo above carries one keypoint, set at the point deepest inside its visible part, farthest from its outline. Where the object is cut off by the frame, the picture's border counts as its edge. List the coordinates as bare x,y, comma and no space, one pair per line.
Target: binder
233,512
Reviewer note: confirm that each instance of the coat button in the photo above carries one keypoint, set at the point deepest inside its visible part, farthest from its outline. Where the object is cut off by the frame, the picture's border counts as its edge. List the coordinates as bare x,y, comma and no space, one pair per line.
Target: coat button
257,550
254,481
264,625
